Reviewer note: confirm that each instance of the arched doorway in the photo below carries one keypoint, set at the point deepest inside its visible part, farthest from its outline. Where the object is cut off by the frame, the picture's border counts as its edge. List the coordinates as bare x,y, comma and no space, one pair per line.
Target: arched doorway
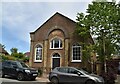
55,60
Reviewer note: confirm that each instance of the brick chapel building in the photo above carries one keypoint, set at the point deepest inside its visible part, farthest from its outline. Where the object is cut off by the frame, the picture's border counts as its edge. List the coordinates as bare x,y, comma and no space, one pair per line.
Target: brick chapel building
55,44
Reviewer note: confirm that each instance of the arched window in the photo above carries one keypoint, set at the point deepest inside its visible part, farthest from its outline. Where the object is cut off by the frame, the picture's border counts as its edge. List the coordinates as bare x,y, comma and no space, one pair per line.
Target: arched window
38,53
56,55
76,53
56,43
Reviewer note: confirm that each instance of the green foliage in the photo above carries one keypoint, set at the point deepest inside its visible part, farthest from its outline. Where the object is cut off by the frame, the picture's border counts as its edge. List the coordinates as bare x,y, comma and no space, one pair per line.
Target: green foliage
40,71
103,21
3,57
103,18
14,50
26,59
84,32
82,29
17,55
6,57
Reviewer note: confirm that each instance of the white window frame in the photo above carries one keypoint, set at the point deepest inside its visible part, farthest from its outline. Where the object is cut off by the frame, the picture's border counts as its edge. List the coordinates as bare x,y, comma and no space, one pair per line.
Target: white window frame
76,46
41,50
52,42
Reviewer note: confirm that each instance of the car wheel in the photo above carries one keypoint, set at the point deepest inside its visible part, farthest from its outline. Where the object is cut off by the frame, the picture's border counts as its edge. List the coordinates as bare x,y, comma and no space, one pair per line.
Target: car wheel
90,82
33,79
20,76
54,80
3,75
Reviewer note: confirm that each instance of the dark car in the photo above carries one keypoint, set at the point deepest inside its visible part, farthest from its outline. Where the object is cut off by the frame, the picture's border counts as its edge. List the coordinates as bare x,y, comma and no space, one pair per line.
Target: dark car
18,70
119,68
73,75
0,69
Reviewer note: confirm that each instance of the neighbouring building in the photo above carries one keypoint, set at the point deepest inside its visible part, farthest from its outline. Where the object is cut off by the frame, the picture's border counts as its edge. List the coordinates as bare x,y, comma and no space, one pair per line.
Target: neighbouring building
27,54
55,44
3,51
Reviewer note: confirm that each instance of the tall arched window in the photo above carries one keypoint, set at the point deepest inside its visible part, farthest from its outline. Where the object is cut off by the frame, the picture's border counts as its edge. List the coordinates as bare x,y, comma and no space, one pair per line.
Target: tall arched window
76,53
38,53
56,44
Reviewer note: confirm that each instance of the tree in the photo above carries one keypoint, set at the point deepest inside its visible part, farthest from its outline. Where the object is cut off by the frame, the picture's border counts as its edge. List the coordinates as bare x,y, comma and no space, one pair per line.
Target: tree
14,50
16,54
103,21
84,32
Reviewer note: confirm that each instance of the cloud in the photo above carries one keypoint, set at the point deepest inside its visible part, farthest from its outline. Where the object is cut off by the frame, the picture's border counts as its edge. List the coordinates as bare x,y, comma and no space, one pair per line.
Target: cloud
20,18
46,0
0,22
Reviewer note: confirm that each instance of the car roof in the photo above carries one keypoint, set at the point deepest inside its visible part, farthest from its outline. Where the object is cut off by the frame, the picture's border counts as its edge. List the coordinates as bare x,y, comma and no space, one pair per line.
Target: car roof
66,67
11,61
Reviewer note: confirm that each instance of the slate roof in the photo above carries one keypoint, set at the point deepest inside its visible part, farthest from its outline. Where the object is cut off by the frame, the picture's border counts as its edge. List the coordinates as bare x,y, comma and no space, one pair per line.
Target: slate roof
3,51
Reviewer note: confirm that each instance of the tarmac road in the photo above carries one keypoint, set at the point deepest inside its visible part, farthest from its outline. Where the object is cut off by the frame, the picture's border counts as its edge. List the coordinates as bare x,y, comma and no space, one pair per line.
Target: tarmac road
9,80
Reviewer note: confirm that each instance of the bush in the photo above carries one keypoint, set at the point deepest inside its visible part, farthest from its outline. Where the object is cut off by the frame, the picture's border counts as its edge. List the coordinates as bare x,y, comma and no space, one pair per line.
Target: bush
40,71
26,59
111,75
3,57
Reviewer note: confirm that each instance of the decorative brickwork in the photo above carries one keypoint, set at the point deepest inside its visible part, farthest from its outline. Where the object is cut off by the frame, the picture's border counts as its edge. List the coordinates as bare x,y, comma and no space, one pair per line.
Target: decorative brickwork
59,51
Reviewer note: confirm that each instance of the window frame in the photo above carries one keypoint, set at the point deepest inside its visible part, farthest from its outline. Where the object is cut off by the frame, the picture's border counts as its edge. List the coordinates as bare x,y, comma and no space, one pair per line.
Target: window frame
41,51
76,46
52,43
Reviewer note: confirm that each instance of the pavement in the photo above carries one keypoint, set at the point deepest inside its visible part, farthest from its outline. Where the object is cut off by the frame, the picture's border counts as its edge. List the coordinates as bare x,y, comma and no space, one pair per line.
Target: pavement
117,81
9,80
42,79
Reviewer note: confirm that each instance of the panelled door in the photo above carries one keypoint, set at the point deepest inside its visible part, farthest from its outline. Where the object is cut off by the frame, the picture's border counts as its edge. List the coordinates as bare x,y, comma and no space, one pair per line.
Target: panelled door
55,60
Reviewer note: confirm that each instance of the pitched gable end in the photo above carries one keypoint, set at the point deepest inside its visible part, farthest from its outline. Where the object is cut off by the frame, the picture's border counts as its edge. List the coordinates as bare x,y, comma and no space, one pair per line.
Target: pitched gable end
56,14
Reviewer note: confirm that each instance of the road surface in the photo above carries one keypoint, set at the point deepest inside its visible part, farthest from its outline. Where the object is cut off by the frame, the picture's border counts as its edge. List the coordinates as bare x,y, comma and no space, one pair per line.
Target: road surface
9,80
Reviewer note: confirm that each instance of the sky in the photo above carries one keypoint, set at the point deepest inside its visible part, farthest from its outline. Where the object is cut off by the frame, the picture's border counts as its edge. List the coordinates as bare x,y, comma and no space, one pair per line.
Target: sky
20,17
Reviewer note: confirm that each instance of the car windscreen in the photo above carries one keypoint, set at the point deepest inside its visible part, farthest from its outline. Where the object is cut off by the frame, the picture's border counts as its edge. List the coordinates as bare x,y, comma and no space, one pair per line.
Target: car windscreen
83,71
0,65
22,65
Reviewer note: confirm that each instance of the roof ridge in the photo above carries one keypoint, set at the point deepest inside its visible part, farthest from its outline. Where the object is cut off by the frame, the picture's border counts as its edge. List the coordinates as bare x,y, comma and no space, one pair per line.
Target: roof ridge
49,19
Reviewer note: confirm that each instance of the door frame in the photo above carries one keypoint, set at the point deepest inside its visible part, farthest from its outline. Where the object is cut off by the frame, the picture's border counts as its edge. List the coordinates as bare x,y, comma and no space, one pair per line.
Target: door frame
54,58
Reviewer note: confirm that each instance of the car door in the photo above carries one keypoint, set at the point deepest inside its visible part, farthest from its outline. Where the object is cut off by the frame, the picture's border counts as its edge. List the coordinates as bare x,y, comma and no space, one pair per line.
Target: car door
63,75
81,78
13,69
76,76
72,75
6,67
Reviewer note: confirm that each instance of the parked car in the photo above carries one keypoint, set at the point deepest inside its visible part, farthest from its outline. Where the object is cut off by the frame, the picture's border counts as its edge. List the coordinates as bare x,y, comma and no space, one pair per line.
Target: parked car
19,70
0,69
119,68
73,75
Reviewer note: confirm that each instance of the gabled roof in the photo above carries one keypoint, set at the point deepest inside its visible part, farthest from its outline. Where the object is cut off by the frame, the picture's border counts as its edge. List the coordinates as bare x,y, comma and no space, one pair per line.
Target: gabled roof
3,51
50,19
27,54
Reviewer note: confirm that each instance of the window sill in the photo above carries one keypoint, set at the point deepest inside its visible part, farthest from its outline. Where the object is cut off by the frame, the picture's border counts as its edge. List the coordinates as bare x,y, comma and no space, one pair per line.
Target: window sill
76,61
56,48
38,61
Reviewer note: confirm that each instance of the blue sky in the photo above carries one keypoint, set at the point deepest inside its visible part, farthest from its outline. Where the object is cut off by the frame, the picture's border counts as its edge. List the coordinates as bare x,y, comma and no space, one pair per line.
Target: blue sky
20,17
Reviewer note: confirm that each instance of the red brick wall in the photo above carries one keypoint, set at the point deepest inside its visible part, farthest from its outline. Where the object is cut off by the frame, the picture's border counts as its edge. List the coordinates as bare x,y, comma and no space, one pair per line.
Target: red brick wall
57,26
